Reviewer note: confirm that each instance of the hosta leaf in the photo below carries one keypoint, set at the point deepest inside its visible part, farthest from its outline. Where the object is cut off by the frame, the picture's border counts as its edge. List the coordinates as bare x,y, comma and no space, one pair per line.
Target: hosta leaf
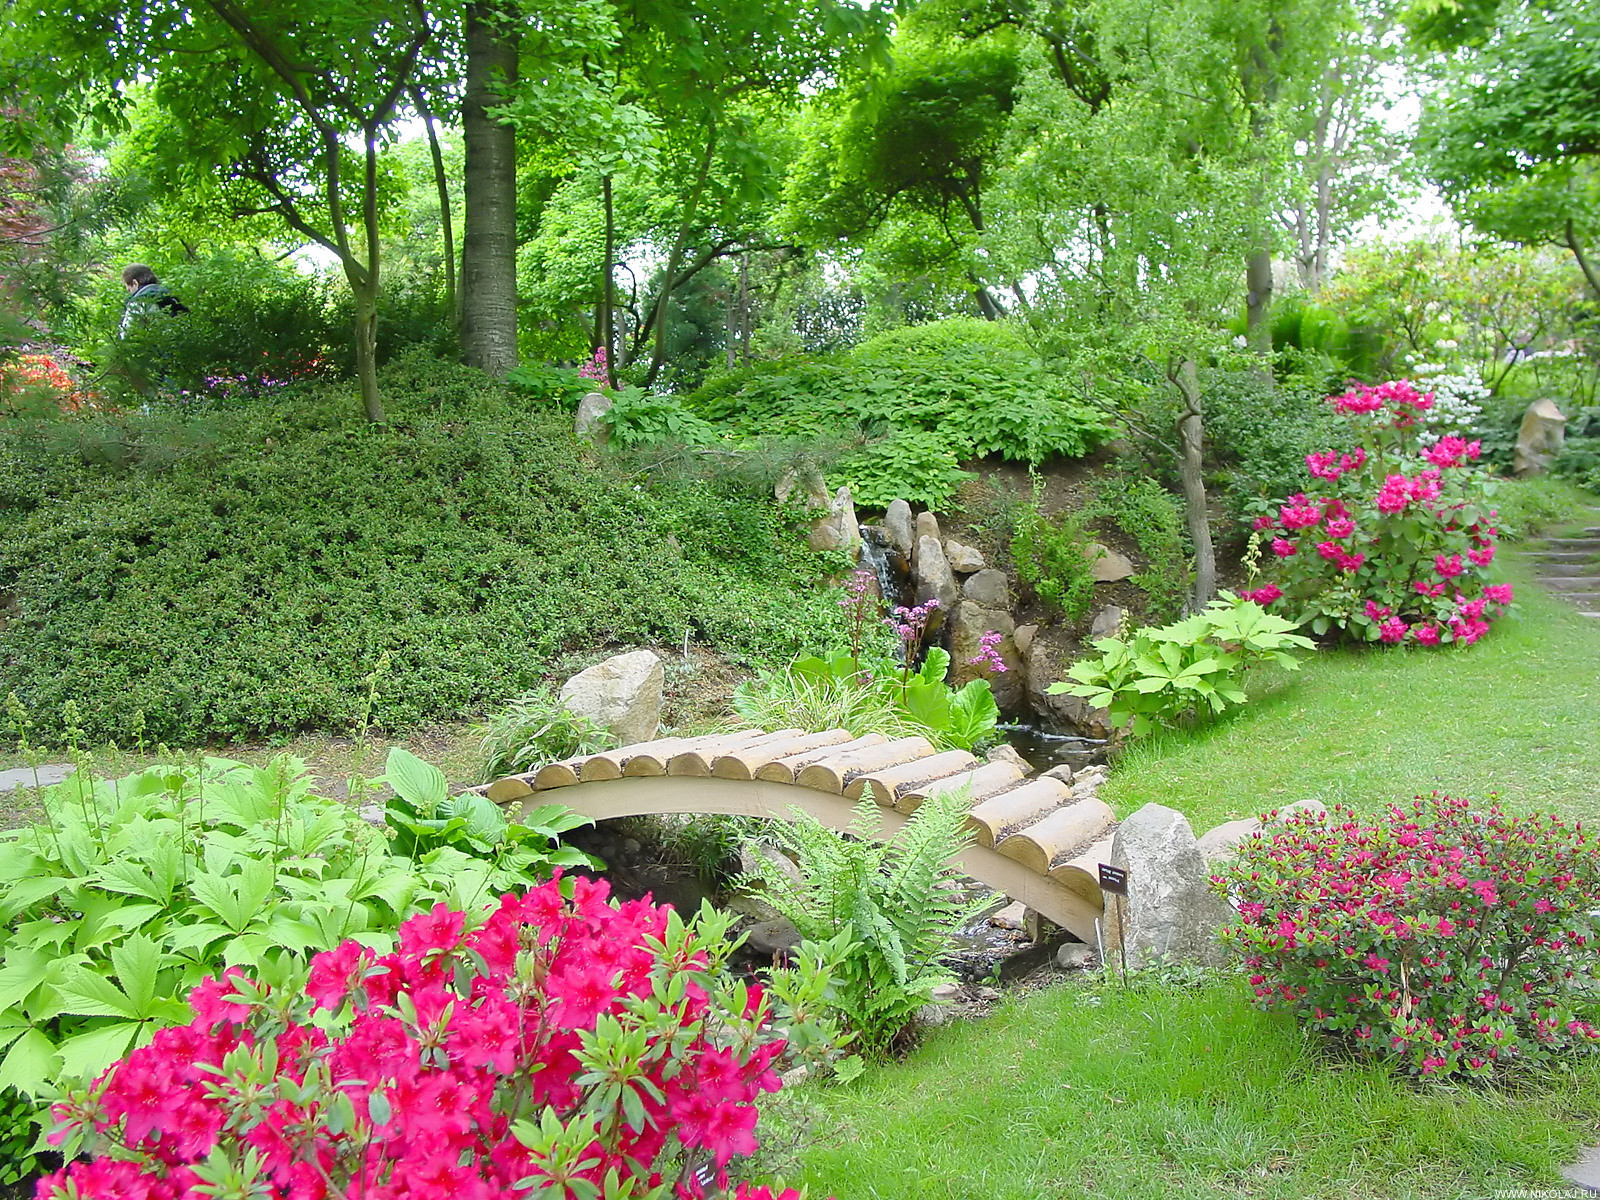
421,783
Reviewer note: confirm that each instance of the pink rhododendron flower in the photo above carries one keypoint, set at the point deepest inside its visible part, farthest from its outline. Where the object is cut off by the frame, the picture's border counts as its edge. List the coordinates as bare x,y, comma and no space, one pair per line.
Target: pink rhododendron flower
1282,547
1393,630
1448,568
1341,527
1482,555
1498,593
1427,635
1264,595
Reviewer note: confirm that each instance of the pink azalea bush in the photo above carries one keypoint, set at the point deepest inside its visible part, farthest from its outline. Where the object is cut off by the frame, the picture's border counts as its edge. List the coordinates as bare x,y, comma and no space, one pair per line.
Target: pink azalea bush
1459,940
570,1047
1394,541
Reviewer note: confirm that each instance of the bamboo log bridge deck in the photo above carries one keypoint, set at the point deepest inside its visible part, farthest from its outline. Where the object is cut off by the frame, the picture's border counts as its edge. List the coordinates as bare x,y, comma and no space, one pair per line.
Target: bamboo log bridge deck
1038,840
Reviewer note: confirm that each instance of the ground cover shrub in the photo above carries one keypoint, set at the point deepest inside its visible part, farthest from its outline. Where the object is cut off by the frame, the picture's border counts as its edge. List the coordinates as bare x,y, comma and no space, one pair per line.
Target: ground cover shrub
533,729
423,817
1185,672
1395,542
637,418
1454,939
920,467
565,1044
248,589
129,892
884,903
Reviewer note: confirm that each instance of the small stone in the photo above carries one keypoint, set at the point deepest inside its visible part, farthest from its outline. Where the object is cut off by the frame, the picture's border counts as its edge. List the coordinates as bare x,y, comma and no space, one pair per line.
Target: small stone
988,587
1007,753
1223,842
795,1076
588,424
1106,565
900,527
934,579
807,481
631,846
772,938
985,993
1061,771
964,558
760,860
1075,956
1023,637
927,526
373,814
1315,807
947,993
1106,623
752,906
931,1016
1012,916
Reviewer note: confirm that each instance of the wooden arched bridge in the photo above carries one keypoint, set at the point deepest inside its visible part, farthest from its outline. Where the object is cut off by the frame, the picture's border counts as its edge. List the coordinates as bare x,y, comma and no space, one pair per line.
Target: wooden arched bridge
1039,841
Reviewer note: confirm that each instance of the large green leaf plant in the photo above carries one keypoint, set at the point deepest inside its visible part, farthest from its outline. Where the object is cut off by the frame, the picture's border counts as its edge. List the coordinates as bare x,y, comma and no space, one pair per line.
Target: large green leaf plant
129,892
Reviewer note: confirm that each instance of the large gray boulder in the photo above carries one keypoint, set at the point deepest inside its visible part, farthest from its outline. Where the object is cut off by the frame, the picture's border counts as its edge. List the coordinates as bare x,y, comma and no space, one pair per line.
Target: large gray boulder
988,587
804,484
934,579
900,527
588,424
622,694
970,622
1540,438
1169,912
1072,711
839,527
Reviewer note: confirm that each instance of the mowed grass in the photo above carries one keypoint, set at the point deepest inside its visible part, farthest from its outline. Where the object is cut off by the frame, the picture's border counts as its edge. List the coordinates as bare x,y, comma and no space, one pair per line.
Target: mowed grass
1518,714
1089,1090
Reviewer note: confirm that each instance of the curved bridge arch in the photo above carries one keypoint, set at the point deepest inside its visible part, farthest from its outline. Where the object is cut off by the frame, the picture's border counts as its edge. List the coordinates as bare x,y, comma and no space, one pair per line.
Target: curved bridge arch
1037,841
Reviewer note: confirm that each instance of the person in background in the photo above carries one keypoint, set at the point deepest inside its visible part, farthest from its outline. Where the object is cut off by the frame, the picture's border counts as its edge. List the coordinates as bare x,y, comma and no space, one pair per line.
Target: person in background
146,294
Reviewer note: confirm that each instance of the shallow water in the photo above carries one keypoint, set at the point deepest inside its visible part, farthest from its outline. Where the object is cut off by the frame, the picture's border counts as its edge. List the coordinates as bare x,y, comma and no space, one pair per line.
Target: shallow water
1045,749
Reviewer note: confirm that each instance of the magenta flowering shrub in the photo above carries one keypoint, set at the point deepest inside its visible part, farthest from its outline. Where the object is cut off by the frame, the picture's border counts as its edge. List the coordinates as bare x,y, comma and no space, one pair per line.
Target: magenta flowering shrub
565,1047
1393,542
1459,940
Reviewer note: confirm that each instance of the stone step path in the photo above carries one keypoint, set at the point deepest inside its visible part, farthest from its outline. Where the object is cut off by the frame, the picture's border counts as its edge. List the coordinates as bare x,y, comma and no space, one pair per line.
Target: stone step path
1037,840
1569,567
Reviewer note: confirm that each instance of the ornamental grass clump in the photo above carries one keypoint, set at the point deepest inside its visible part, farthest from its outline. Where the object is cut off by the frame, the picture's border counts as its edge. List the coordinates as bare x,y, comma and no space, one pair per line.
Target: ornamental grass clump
1394,542
568,1046
1455,939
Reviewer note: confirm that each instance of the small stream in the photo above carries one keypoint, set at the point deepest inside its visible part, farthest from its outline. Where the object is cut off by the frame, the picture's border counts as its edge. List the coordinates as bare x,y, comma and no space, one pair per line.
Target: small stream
1045,749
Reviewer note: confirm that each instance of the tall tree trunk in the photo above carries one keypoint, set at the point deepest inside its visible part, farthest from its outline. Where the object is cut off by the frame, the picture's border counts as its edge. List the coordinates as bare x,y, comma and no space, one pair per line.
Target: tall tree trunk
441,183
608,284
1191,431
1258,305
669,276
489,247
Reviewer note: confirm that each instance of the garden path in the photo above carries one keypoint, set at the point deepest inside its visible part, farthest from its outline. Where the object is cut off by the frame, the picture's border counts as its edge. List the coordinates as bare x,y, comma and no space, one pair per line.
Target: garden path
1570,567
1039,841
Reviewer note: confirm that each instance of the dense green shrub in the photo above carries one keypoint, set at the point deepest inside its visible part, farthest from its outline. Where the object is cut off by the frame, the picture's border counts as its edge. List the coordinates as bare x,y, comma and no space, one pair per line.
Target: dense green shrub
916,466
1051,553
249,590
1185,672
972,383
254,324
1153,518
533,729
1263,431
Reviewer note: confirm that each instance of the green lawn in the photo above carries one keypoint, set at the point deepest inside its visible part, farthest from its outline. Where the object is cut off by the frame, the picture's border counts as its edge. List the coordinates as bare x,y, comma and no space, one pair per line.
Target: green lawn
1517,714
1088,1090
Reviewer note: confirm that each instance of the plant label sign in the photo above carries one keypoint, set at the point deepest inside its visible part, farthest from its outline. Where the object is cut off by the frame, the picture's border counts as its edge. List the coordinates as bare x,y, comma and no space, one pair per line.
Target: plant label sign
1113,880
